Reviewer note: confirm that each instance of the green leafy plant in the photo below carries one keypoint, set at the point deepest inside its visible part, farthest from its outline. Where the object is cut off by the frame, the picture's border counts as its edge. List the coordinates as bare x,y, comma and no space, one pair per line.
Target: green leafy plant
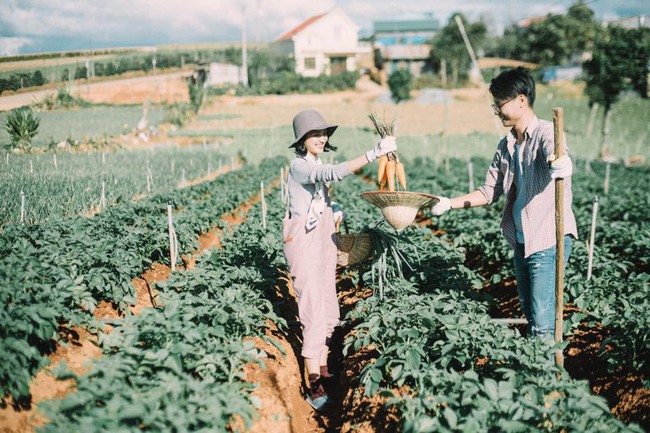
399,83
22,125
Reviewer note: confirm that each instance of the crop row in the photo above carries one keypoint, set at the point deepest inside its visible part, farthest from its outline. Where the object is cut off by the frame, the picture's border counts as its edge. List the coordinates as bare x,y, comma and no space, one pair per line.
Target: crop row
54,274
618,292
438,358
59,185
180,367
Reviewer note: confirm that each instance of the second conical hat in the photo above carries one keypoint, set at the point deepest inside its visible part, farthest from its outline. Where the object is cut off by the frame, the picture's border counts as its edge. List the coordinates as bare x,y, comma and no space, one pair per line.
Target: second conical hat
399,207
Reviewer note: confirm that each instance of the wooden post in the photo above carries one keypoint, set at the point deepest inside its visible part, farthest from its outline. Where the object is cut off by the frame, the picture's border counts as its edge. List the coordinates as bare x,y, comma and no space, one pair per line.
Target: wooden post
444,137
592,234
608,168
263,204
470,173
102,199
592,117
172,238
22,207
558,129
148,181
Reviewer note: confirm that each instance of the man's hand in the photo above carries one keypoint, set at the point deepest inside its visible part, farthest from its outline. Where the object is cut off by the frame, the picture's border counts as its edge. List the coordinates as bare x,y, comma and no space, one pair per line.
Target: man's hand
441,207
561,167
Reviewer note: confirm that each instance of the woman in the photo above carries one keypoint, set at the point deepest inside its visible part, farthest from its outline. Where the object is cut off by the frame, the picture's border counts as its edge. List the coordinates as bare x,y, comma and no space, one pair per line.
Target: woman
309,239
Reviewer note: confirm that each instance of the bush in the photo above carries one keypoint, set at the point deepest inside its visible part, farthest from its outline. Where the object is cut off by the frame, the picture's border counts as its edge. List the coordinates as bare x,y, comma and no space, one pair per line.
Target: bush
178,114
62,99
196,92
22,126
399,83
286,82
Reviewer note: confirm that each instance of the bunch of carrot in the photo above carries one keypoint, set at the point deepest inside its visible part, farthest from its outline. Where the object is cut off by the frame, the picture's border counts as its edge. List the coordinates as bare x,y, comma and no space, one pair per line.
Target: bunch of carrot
389,165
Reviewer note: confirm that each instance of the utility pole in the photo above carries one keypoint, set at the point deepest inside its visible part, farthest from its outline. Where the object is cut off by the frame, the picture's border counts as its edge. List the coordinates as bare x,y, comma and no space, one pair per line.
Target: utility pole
472,56
244,53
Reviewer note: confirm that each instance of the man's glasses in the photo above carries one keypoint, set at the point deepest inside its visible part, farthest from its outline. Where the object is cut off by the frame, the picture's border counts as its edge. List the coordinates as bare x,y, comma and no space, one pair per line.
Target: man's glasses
497,108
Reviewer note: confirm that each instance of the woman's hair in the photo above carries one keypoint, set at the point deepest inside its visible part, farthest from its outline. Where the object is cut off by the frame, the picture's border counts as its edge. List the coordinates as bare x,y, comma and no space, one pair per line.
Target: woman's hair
517,81
301,150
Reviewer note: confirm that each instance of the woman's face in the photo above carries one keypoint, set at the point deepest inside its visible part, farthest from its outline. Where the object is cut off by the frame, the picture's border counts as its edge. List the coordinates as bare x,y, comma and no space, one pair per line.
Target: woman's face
315,141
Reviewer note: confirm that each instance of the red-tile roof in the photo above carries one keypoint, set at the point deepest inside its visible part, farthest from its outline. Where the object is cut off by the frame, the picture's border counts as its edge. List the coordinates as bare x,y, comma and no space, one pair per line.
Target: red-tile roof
527,22
290,34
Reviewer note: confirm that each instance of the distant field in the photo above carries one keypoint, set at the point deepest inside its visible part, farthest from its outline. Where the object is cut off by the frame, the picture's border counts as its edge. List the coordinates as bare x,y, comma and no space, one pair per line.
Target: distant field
90,122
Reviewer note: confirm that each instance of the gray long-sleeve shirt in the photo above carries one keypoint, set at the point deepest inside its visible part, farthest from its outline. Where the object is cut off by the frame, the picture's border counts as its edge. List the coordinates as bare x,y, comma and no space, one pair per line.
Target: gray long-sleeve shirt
304,172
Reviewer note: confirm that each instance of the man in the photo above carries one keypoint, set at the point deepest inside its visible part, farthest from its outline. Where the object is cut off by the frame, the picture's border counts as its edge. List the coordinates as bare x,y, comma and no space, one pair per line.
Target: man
522,171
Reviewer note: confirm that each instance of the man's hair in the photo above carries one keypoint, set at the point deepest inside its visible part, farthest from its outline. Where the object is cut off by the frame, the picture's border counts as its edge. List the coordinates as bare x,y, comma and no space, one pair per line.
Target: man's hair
517,81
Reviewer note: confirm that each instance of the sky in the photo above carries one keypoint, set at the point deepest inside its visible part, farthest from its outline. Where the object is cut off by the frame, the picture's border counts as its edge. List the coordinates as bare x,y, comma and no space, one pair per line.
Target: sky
35,26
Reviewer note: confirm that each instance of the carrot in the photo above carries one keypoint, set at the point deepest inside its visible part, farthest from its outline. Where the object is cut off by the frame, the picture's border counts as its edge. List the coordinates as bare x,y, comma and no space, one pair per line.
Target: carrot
382,182
390,174
381,169
401,175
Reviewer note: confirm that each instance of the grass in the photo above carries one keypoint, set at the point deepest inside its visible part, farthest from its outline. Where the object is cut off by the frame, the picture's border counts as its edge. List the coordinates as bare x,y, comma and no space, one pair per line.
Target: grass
94,121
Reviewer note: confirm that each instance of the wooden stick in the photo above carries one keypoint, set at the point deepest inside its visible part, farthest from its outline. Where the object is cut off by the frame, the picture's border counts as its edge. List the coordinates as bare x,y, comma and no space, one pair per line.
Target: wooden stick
172,237
510,321
22,207
558,129
592,234
470,174
608,167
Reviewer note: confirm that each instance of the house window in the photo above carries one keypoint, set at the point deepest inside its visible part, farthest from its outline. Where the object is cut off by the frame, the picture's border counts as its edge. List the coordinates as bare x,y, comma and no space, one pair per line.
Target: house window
310,63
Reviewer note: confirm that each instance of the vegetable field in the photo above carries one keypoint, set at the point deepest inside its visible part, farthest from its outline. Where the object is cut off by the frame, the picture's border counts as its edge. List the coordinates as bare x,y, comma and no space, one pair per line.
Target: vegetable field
55,185
177,276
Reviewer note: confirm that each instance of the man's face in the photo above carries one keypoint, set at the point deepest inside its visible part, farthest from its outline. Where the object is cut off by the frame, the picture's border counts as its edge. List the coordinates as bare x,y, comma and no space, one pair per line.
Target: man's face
509,110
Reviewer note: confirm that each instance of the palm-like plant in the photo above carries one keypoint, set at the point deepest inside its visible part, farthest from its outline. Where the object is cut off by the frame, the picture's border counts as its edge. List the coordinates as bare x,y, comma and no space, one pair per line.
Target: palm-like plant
22,126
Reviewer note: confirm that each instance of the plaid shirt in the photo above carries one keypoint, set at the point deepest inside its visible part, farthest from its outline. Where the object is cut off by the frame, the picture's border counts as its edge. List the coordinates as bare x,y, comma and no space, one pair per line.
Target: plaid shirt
538,214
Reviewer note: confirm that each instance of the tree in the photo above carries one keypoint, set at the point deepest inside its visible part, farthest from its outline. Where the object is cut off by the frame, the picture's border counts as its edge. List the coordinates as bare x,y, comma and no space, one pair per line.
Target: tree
399,84
448,45
554,39
620,62
37,78
580,27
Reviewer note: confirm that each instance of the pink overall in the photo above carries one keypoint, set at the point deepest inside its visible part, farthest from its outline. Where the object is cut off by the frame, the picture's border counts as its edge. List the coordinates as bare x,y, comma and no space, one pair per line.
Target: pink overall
312,262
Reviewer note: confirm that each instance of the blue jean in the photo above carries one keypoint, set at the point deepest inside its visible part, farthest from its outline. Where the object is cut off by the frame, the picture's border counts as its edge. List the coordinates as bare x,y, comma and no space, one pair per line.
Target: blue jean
536,286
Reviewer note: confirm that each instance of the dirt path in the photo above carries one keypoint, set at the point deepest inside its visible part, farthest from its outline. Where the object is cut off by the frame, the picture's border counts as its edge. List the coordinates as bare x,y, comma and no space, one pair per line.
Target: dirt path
466,112
162,88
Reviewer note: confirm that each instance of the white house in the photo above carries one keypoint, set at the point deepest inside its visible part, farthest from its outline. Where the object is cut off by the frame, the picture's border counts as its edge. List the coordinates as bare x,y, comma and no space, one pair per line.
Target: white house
323,44
223,73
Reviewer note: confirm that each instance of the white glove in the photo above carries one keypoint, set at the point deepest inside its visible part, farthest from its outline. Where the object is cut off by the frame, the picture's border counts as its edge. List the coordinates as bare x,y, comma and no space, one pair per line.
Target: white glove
561,167
337,209
441,207
385,145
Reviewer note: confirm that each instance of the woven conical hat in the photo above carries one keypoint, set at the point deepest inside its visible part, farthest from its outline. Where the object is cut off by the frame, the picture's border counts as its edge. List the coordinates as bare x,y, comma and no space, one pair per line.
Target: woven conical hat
399,207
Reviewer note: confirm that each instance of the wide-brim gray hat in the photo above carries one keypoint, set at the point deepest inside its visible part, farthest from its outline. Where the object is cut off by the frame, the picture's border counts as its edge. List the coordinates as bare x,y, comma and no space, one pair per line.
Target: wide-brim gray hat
309,120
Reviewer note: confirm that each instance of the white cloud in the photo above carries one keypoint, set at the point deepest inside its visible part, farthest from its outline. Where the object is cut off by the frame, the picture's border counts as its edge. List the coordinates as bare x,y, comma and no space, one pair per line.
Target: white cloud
85,23
12,46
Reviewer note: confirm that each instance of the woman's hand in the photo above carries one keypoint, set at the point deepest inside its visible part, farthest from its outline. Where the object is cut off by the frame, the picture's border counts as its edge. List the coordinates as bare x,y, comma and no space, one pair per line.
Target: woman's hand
385,145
